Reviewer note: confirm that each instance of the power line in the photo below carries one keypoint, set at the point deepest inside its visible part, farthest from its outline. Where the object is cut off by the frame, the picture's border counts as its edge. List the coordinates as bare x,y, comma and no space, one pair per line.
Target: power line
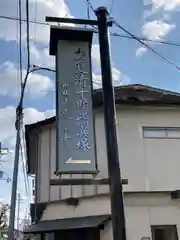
38,68
91,6
145,45
24,172
20,44
21,78
18,125
23,86
114,34
27,32
17,37
23,20
24,146
88,12
95,31
146,39
28,58
132,36
111,7
35,19
93,10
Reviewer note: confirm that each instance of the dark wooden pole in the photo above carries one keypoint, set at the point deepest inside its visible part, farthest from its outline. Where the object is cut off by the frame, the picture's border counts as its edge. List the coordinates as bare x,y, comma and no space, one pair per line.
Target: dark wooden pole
117,206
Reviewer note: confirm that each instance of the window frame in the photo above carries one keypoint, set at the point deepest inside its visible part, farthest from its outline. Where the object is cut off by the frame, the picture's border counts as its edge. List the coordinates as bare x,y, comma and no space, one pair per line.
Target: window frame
156,129
162,227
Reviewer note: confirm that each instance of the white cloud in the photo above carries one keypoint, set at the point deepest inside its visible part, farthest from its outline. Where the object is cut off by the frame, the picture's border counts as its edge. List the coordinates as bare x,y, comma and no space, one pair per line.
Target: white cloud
7,133
156,29
118,78
32,115
7,124
140,51
97,83
95,54
38,11
41,57
7,120
37,84
167,5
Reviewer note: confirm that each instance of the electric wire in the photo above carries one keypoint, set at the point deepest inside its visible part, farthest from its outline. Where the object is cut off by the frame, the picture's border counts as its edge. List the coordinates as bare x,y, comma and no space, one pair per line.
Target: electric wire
39,68
90,5
17,37
20,106
141,41
23,20
111,7
44,68
145,45
21,79
171,43
114,34
27,32
24,172
20,45
35,19
24,146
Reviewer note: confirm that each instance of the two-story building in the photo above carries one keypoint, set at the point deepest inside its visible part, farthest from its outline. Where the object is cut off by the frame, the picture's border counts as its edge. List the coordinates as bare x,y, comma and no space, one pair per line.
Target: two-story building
148,127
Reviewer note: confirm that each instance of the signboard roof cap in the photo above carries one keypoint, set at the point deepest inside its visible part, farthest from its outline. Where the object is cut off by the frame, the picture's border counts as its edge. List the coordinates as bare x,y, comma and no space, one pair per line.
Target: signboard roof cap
70,34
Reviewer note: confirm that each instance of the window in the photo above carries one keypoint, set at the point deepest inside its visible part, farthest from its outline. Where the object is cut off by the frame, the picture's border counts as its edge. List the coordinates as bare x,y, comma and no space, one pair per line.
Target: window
161,132
164,232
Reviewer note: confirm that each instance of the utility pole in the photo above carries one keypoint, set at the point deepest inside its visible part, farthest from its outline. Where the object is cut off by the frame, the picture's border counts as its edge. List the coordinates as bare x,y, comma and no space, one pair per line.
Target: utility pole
117,206
18,125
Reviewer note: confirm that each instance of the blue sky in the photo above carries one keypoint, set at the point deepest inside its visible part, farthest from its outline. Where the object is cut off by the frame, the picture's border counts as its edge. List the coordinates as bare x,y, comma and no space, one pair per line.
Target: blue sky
153,19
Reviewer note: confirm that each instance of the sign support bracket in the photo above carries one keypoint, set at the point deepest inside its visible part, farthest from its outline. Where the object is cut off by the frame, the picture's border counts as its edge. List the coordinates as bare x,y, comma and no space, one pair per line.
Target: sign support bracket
87,181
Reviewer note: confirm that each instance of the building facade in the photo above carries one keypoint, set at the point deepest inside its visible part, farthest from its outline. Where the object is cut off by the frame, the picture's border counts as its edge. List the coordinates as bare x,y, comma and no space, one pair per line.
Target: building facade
148,128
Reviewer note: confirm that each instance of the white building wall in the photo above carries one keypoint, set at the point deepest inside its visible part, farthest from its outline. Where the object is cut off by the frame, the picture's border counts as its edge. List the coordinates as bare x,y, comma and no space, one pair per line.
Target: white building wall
148,164
141,212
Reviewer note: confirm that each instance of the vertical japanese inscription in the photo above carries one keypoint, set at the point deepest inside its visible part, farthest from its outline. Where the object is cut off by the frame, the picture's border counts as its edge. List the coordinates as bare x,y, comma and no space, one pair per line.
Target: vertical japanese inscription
76,144
64,112
81,79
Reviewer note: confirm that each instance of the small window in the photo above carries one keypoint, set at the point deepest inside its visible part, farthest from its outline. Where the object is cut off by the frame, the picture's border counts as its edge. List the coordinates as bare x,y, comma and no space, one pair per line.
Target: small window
161,132
173,132
154,133
164,232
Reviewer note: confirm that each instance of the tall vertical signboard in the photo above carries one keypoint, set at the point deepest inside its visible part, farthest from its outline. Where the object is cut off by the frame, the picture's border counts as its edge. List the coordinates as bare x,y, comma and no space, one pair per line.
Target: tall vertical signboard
75,140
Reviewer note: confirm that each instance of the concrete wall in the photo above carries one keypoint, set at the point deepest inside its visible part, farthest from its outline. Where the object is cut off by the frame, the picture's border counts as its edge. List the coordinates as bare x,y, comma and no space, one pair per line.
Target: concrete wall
148,164
141,211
